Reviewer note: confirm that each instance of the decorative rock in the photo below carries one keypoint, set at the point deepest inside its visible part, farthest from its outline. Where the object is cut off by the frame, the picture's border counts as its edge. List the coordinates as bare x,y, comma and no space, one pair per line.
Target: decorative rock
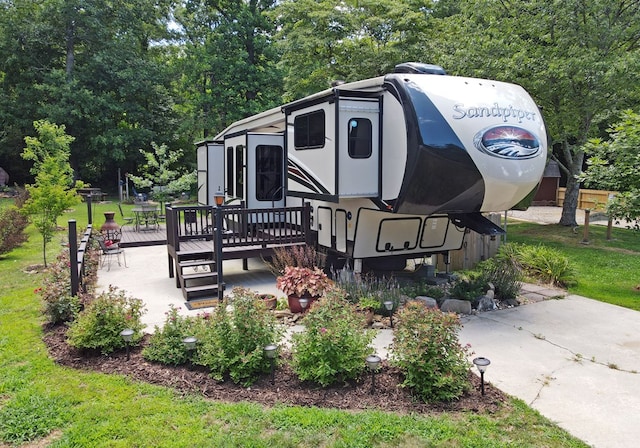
429,302
511,302
490,294
377,326
487,303
456,306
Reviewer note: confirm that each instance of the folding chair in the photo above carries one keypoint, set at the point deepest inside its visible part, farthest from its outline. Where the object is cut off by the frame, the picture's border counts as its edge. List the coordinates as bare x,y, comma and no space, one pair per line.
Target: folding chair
108,250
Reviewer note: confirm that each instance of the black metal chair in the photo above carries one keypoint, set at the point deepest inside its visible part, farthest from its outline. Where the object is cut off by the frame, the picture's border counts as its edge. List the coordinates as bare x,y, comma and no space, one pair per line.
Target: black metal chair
108,250
127,219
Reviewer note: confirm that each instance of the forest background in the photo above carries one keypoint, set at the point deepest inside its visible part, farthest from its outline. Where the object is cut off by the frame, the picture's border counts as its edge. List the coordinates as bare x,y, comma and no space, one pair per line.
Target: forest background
121,75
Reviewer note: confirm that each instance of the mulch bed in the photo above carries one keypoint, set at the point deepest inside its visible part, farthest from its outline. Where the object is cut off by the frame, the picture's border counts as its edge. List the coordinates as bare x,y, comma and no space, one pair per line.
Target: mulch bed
287,389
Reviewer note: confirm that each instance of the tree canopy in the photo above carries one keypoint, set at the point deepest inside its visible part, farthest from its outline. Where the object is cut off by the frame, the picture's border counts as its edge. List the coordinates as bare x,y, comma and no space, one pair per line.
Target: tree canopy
121,75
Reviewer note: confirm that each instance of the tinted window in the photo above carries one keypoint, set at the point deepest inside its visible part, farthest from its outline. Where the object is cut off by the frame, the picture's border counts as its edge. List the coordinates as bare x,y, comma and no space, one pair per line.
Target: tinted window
309,131
359,138
230,181
240,171
269,169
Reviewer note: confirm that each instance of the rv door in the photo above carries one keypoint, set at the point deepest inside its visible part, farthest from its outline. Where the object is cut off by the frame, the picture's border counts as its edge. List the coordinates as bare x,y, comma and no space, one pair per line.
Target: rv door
359,153
265,171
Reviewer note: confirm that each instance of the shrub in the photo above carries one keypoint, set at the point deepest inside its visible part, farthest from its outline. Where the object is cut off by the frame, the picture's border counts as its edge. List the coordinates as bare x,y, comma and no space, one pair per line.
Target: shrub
232,342
469,286
333,346
427,351
12,226
166,345
59,305
297,256
546,264
357,287
504,272
99,325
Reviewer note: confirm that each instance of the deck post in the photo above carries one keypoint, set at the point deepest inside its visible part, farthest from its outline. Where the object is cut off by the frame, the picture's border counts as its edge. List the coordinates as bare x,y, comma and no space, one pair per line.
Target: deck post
73,257
217,213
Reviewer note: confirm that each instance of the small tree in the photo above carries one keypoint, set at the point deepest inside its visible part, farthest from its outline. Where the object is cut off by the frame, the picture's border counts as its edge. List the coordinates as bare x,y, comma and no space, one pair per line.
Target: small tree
53,191
615,165
161,174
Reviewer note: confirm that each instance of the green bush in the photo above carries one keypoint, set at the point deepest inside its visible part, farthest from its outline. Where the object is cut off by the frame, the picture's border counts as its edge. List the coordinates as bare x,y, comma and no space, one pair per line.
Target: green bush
58,304
427,351
504,272
547,265
232,342
469,286
333,346
99,325
166,345
12,226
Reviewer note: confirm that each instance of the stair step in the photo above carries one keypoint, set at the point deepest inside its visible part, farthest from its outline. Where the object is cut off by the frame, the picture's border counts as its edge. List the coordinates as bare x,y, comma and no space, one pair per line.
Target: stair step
198,275
196,263
196,291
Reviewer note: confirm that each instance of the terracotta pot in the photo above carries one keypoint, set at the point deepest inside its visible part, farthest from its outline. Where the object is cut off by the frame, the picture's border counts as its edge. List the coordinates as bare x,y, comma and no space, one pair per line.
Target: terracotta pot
294,303
269,300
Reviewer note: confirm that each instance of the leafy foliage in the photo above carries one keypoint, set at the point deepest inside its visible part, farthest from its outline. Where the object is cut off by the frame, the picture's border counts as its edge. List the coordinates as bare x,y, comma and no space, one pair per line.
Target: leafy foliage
162,173
547,264
232,342
53,191
614,164
427,351
99,325
12,226
504,272
333,346
59,305
304,256
166,344
301,281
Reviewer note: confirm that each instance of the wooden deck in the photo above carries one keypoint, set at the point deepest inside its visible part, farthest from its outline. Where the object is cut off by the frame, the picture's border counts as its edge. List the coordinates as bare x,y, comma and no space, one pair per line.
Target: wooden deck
131,238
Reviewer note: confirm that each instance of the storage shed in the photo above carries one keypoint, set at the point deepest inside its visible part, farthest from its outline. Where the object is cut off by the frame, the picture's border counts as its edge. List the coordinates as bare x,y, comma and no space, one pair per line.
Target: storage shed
548,189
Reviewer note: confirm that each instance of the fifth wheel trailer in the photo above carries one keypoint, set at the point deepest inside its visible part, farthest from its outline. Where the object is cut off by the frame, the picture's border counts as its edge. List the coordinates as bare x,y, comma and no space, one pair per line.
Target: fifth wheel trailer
395,167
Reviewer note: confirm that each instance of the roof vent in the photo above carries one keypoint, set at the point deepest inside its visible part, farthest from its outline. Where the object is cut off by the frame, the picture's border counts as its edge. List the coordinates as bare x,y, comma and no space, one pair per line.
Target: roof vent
419,68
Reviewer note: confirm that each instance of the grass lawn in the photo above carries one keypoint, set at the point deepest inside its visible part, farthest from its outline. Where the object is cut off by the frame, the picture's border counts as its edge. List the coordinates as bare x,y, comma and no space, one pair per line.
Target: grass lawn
607,270
60,407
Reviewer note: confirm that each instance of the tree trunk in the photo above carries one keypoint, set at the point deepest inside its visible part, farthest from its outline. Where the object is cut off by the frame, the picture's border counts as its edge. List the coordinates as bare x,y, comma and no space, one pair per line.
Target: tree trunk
573,168
71,44
570,204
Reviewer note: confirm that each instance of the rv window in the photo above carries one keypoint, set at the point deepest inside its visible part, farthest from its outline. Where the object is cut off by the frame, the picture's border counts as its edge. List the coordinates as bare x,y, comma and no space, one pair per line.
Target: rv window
308,130
359,138
269,168
230,181
240,171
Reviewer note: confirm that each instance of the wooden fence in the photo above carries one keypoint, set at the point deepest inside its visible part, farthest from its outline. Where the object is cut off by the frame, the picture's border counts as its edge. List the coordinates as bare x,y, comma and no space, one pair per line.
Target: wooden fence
475,248
588,199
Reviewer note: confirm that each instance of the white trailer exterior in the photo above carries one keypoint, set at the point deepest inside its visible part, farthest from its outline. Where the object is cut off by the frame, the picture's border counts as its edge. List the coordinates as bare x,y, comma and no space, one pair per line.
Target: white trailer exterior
395,167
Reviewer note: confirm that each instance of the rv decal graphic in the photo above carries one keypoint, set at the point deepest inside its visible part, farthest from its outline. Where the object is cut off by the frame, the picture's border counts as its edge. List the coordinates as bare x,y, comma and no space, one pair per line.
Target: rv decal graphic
504,112
507,142
299,175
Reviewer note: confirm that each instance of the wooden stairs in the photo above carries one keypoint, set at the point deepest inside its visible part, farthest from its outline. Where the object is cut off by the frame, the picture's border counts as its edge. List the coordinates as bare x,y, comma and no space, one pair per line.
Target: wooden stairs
244,233
197,278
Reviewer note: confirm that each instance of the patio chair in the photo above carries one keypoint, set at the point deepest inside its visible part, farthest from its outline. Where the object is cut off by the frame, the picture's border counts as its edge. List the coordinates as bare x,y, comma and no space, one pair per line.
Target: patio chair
108,250
126,219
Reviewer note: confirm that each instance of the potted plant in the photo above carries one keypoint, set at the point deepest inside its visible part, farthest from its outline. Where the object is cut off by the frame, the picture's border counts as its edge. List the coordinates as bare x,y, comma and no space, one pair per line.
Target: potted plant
297,282
270,300
369,305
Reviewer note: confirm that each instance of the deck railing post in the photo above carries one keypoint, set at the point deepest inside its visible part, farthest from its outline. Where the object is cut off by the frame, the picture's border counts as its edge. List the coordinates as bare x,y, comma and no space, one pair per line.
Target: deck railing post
217,212
89,211
73,256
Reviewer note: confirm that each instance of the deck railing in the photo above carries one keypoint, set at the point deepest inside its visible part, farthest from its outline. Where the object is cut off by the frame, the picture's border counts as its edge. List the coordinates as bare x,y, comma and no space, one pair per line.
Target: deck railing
76,255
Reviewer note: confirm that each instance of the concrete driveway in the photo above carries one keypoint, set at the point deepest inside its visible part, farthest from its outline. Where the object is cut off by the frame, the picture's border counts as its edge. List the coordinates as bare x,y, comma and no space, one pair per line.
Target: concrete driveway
575,360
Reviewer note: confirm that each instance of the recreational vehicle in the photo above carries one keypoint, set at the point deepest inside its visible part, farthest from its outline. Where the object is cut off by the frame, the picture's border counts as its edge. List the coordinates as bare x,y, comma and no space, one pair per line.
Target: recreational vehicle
395,167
